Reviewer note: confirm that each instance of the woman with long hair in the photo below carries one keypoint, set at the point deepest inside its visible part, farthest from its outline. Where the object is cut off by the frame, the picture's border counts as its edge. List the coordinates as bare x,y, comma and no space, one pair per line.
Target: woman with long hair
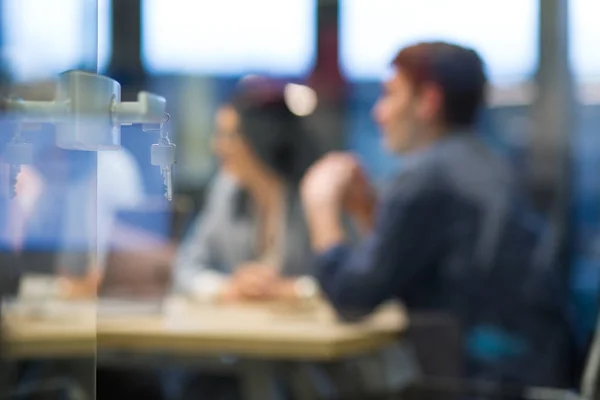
251,243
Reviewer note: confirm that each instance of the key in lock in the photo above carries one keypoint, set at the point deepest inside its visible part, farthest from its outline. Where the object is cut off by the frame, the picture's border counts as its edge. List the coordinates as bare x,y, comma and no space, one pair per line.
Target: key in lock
163,155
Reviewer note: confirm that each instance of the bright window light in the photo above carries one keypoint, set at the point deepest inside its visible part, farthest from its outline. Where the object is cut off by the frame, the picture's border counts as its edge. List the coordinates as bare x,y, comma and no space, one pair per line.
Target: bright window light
229,37
43,38
584,37
505,33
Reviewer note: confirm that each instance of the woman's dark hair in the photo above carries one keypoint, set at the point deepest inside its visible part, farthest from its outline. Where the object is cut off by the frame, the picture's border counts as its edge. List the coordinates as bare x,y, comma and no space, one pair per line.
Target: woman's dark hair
278,137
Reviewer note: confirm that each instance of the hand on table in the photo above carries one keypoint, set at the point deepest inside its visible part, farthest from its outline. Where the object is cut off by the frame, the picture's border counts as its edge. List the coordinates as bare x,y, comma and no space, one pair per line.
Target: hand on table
251,281
84,287
258,282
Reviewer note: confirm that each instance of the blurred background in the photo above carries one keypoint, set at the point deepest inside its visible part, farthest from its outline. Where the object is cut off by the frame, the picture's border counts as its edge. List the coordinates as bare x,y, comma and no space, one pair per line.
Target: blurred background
542,58
194,52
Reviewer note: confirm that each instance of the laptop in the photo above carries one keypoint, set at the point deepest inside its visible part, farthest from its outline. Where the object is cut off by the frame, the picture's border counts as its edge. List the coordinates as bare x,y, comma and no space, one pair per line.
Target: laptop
138,277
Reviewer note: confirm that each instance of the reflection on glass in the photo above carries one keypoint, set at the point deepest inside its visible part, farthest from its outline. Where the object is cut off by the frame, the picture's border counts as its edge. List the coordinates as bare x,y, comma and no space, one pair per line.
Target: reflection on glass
205,37
504,32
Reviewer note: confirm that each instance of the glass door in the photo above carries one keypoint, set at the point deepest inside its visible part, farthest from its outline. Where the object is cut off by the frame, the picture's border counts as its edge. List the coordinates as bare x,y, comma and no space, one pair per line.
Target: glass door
48,216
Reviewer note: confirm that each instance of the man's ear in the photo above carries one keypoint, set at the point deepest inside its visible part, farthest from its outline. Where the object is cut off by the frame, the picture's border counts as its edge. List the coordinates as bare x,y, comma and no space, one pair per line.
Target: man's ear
430,102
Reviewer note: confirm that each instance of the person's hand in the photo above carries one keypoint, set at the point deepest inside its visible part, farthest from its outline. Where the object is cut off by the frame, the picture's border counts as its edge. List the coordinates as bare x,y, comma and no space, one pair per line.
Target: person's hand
251,281
338,181
230,293
285,290
359,195
359,198
85,287
282,289
300,288
328,180
324,190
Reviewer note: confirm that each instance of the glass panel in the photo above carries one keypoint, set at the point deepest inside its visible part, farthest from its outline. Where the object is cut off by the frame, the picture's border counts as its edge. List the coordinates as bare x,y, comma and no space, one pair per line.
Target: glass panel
47,204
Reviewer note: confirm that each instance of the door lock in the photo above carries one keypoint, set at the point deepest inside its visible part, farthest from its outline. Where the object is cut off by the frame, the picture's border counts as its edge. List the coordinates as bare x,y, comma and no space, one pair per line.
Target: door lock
88,113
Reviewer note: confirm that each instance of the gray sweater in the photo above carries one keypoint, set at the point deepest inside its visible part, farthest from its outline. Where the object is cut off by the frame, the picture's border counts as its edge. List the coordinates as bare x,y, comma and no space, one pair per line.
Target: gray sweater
218,243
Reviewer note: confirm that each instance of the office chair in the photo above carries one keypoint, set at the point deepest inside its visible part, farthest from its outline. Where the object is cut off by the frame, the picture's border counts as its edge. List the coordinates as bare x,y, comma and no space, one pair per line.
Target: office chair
429,329
440,389
590,384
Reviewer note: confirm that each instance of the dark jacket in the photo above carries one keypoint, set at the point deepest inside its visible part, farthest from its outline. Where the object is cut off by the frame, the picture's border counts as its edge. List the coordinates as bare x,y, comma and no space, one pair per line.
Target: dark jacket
454,235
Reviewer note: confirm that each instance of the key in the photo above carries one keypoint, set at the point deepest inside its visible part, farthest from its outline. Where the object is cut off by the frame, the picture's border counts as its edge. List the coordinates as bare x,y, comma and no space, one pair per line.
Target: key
167,174
163,155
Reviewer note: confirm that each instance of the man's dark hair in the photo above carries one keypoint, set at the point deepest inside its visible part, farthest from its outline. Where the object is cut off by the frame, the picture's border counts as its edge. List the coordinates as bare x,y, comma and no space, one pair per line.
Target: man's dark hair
458,71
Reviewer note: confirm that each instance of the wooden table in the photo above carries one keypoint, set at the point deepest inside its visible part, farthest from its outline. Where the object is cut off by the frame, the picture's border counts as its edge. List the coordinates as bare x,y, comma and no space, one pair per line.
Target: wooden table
54,330
259,335
266,331
271,331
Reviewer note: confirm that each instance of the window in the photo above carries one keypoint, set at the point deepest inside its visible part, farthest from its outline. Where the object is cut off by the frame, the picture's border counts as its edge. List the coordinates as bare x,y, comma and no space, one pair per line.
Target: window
504,32
43,38
229,37
584,36
104,34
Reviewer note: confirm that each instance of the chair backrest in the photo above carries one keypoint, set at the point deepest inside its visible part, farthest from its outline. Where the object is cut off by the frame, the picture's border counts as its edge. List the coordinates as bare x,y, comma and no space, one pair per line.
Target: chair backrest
438,342
451,389
182,215
590,383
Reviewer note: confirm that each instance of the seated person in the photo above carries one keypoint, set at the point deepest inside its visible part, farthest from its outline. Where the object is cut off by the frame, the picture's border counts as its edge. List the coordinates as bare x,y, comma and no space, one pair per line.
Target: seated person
451,234
251,241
